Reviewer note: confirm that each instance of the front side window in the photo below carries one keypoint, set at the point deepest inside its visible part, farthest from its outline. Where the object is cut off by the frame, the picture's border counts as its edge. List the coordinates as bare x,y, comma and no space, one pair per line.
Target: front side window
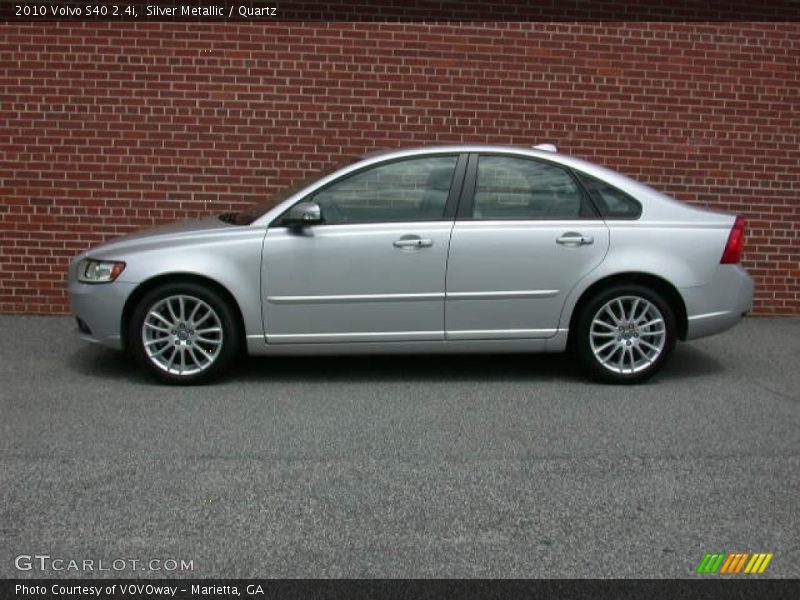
405,190
520,188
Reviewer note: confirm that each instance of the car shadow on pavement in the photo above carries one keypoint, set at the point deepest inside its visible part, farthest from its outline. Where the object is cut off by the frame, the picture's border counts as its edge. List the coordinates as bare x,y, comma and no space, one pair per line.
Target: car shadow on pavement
420,367
689,361
686,362
104,363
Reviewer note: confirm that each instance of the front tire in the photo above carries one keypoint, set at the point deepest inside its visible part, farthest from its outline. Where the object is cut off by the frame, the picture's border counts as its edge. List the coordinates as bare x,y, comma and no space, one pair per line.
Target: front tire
625,334
184,333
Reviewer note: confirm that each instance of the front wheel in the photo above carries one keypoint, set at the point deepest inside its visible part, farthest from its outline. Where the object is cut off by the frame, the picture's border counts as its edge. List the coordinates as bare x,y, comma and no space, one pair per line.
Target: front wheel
183,333
625,334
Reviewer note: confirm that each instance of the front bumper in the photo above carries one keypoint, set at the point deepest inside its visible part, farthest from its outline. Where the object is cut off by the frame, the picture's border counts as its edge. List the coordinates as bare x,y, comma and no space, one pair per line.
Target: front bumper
720,304
99,306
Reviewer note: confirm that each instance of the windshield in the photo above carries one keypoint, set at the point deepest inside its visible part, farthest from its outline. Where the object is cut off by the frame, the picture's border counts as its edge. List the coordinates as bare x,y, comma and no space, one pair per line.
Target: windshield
254,211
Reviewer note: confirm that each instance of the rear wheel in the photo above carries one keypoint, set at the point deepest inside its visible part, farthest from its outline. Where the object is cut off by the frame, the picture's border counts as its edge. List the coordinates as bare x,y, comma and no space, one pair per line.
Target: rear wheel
183,333
625,334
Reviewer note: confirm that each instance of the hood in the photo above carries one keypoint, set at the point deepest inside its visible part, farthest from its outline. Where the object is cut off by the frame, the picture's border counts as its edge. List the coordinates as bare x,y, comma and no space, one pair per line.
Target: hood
178,229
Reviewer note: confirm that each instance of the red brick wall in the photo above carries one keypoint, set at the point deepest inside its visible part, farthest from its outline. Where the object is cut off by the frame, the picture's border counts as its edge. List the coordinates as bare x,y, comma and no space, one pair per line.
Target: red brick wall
109,127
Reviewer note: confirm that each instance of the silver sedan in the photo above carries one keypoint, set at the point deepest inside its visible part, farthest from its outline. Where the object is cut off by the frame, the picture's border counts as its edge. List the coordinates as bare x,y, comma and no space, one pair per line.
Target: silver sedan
443,249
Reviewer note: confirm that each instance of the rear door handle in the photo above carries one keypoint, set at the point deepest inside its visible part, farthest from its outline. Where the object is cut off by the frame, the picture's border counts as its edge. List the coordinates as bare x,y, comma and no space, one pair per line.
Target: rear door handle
573,238
412,241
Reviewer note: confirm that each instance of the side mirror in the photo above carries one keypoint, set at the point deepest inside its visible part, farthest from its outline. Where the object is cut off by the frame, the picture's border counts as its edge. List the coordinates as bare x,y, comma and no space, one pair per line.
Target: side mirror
303,214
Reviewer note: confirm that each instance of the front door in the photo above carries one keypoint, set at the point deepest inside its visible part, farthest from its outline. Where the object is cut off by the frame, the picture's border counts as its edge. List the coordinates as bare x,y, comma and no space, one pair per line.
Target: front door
374,270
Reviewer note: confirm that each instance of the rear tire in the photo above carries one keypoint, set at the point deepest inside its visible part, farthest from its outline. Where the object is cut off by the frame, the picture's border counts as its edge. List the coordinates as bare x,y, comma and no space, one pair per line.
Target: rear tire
184,333
625,334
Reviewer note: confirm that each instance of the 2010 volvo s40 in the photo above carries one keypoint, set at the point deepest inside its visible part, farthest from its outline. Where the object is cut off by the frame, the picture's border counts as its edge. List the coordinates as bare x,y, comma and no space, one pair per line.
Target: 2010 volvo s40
444,249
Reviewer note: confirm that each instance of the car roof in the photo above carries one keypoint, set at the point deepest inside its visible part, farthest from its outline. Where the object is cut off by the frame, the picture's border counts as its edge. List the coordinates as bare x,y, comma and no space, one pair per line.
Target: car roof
530,151
436,148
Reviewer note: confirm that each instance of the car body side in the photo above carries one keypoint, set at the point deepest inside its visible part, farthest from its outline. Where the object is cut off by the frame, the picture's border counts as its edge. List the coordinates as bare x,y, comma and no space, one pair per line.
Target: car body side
675,246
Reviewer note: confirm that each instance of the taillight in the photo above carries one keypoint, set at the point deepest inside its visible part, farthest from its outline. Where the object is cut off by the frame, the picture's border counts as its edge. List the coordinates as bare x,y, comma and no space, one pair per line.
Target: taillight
735,245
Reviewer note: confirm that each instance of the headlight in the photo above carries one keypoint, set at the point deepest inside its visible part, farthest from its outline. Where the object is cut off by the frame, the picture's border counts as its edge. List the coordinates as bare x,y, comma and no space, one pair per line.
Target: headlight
99,271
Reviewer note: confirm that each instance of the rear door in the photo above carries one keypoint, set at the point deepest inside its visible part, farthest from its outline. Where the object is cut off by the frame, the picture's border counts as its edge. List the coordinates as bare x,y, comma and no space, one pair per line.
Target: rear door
525,235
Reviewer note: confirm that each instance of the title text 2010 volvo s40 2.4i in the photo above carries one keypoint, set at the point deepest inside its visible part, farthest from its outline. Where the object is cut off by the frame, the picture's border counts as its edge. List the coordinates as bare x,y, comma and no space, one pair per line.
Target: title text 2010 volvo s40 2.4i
444,249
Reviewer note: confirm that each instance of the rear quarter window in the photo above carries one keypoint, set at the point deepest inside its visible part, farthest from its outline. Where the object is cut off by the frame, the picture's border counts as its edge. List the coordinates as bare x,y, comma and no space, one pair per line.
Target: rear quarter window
611,202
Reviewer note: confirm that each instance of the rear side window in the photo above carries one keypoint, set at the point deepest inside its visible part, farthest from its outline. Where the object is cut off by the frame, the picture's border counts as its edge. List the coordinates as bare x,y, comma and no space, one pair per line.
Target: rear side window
610,201
519,188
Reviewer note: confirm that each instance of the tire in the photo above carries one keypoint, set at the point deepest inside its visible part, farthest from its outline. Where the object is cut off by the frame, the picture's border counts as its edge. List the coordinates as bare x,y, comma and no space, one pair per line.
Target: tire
184,333
625,334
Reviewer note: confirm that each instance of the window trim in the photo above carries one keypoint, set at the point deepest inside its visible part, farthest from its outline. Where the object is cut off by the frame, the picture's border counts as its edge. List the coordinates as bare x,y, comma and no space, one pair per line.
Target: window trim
456,185
465,207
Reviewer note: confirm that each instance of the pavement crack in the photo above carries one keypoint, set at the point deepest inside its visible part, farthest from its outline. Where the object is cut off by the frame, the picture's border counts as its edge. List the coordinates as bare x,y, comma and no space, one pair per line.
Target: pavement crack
783,395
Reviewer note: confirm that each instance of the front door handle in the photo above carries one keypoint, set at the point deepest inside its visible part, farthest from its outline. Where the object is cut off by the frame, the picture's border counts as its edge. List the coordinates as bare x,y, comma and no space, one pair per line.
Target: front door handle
412,241
573,238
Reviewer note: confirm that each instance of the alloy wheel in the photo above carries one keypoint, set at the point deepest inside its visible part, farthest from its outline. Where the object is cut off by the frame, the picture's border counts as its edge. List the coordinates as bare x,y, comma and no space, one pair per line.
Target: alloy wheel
627,334
182,335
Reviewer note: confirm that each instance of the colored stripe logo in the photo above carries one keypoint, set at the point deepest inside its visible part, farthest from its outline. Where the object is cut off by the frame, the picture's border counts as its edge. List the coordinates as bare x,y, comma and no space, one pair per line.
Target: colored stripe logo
733,563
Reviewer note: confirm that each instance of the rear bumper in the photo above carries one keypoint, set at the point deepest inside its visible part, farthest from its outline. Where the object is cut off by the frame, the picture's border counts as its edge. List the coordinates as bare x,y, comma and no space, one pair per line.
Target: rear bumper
720,304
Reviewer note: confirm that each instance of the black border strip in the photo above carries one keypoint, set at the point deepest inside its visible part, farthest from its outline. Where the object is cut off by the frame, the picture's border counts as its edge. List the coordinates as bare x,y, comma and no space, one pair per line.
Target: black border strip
739,588
429,10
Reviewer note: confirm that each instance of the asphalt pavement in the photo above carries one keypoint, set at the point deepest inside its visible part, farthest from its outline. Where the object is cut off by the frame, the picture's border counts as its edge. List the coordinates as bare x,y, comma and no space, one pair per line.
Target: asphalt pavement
430,466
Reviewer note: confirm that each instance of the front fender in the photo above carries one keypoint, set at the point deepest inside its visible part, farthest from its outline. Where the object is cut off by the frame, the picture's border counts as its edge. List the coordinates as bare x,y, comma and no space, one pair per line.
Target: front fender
232,259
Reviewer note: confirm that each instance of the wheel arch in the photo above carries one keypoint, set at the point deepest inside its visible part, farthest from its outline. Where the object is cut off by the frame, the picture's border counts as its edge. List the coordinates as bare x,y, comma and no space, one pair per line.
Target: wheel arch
152,283
654,282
